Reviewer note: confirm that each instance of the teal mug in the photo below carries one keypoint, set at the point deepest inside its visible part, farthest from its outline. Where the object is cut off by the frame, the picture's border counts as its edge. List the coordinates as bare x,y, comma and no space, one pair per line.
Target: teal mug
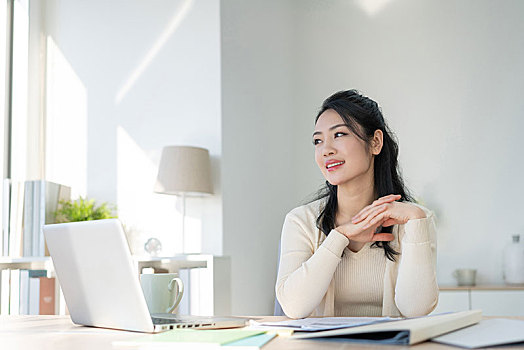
162,291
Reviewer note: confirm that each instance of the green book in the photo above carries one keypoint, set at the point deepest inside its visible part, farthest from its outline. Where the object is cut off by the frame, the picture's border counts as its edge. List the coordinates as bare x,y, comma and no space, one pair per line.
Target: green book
256,341
210,337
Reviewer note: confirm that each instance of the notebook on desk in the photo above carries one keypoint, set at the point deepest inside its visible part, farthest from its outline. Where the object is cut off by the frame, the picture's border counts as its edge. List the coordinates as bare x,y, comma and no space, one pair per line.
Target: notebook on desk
100,282
401,332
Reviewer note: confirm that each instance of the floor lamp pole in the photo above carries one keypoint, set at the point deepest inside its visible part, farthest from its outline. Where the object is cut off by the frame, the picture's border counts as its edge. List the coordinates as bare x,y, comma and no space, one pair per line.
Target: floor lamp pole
188,294
183,223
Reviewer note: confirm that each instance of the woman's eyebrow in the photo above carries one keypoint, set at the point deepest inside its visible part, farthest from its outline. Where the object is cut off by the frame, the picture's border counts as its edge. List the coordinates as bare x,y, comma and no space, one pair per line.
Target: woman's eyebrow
331,128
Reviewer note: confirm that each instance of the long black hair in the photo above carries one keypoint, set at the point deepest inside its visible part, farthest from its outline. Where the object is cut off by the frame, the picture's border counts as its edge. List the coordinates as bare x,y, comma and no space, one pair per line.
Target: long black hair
363,117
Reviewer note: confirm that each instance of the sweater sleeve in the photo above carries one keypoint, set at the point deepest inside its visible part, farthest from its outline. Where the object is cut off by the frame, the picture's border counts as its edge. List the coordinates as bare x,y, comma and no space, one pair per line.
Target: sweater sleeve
416,291
304,274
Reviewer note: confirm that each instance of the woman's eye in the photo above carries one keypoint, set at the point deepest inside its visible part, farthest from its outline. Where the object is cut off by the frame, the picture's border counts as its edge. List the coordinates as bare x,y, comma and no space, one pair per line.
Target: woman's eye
337,134
316,141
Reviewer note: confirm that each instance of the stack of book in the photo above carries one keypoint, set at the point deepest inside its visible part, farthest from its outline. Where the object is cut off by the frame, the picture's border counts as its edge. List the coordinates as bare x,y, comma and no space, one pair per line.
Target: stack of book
27,292
26,207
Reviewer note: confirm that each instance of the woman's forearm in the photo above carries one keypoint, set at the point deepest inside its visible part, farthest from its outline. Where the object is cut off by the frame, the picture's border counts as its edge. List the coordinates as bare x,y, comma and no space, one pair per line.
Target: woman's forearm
303,277
416,291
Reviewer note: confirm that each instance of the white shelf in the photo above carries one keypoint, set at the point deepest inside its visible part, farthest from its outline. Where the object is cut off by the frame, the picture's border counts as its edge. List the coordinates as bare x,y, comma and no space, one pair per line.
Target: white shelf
16,260
207,278
172,263
31,262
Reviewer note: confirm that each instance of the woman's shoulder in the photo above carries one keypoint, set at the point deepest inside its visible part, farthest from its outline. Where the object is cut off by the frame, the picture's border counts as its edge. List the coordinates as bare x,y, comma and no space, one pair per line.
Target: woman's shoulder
307,212
302,220
309,208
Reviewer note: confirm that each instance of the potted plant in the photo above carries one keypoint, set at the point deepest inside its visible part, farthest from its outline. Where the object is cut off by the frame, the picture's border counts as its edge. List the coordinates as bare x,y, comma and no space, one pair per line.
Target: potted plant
83,209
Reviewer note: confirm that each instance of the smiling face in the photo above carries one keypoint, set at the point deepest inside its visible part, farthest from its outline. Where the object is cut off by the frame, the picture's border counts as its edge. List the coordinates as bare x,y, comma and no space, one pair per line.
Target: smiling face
341,155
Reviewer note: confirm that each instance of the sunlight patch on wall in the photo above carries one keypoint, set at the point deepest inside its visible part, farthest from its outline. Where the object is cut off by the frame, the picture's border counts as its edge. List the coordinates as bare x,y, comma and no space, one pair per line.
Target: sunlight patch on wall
144,213
372,7
174,23
147,214
66,123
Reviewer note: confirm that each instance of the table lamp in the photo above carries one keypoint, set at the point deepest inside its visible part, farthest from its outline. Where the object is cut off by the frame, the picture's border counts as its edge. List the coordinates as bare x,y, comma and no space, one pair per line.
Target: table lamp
184,171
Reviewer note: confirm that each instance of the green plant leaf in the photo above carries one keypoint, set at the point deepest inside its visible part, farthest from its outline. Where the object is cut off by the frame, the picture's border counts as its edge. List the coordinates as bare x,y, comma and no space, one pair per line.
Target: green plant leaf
83,209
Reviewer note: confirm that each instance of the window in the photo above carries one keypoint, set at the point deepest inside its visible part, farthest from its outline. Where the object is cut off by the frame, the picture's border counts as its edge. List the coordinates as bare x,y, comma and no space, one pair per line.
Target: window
5,82
20,121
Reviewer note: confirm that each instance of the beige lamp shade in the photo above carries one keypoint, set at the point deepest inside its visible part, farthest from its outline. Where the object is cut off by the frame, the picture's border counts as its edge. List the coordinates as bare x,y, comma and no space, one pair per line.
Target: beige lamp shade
184,170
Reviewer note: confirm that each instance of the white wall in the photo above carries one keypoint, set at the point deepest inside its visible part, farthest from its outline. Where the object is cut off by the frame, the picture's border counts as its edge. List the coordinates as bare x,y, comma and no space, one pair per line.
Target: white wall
258,165
126,78
449,78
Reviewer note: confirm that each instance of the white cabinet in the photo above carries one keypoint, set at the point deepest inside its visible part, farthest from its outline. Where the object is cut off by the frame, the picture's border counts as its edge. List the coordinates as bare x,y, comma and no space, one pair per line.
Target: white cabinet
496,300
450,300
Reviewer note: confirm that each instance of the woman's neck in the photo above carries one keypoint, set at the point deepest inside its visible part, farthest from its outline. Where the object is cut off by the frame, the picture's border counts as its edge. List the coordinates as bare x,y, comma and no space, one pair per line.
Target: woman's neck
352,197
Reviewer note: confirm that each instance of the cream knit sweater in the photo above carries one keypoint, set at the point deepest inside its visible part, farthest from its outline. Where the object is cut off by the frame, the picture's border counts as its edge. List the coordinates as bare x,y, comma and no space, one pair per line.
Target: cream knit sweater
311,273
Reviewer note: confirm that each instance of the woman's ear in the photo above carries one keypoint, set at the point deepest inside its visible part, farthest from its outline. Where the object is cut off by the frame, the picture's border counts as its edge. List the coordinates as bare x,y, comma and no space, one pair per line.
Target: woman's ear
377,142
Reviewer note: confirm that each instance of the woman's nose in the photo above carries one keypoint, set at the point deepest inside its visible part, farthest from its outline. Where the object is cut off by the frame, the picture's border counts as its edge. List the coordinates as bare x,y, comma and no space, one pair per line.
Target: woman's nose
328,149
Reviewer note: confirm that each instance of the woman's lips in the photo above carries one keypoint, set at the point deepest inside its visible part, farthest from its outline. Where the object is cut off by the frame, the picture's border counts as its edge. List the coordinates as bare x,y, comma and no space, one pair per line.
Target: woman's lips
334,165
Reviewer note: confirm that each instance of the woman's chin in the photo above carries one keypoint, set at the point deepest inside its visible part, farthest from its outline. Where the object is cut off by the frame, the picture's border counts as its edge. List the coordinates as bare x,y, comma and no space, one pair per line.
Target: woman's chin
339,181
334,182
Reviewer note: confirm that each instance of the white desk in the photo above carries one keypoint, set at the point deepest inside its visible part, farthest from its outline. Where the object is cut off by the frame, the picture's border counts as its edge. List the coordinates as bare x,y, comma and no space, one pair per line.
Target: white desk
58,332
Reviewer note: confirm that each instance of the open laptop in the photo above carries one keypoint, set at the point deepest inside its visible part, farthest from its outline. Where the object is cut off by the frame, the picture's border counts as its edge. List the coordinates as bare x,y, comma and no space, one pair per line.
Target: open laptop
100,281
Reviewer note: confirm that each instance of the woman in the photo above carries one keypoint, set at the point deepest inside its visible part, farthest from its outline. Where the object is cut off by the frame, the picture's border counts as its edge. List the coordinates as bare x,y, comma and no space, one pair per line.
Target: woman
362,249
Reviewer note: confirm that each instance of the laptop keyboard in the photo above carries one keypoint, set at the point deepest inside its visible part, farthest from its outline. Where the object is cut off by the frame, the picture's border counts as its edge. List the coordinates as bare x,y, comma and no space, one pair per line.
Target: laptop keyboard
179,323
158,320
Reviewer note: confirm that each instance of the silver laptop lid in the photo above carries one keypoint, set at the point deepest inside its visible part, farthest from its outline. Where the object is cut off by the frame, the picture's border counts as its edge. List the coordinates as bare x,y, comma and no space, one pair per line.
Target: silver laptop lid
97,275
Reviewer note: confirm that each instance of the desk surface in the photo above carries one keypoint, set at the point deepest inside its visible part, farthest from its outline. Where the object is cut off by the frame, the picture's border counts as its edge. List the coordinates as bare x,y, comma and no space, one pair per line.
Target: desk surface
58,332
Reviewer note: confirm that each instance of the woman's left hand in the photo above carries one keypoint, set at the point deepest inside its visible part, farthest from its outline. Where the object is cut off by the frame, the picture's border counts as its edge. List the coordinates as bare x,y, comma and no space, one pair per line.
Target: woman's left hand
394,213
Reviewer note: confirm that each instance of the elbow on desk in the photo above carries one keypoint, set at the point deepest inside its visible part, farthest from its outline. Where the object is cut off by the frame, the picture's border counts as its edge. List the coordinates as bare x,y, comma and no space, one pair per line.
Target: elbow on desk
292,308
411,309
293,312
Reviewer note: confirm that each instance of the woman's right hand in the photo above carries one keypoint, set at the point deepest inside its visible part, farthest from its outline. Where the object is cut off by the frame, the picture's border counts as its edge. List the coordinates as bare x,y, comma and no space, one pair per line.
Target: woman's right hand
359,232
